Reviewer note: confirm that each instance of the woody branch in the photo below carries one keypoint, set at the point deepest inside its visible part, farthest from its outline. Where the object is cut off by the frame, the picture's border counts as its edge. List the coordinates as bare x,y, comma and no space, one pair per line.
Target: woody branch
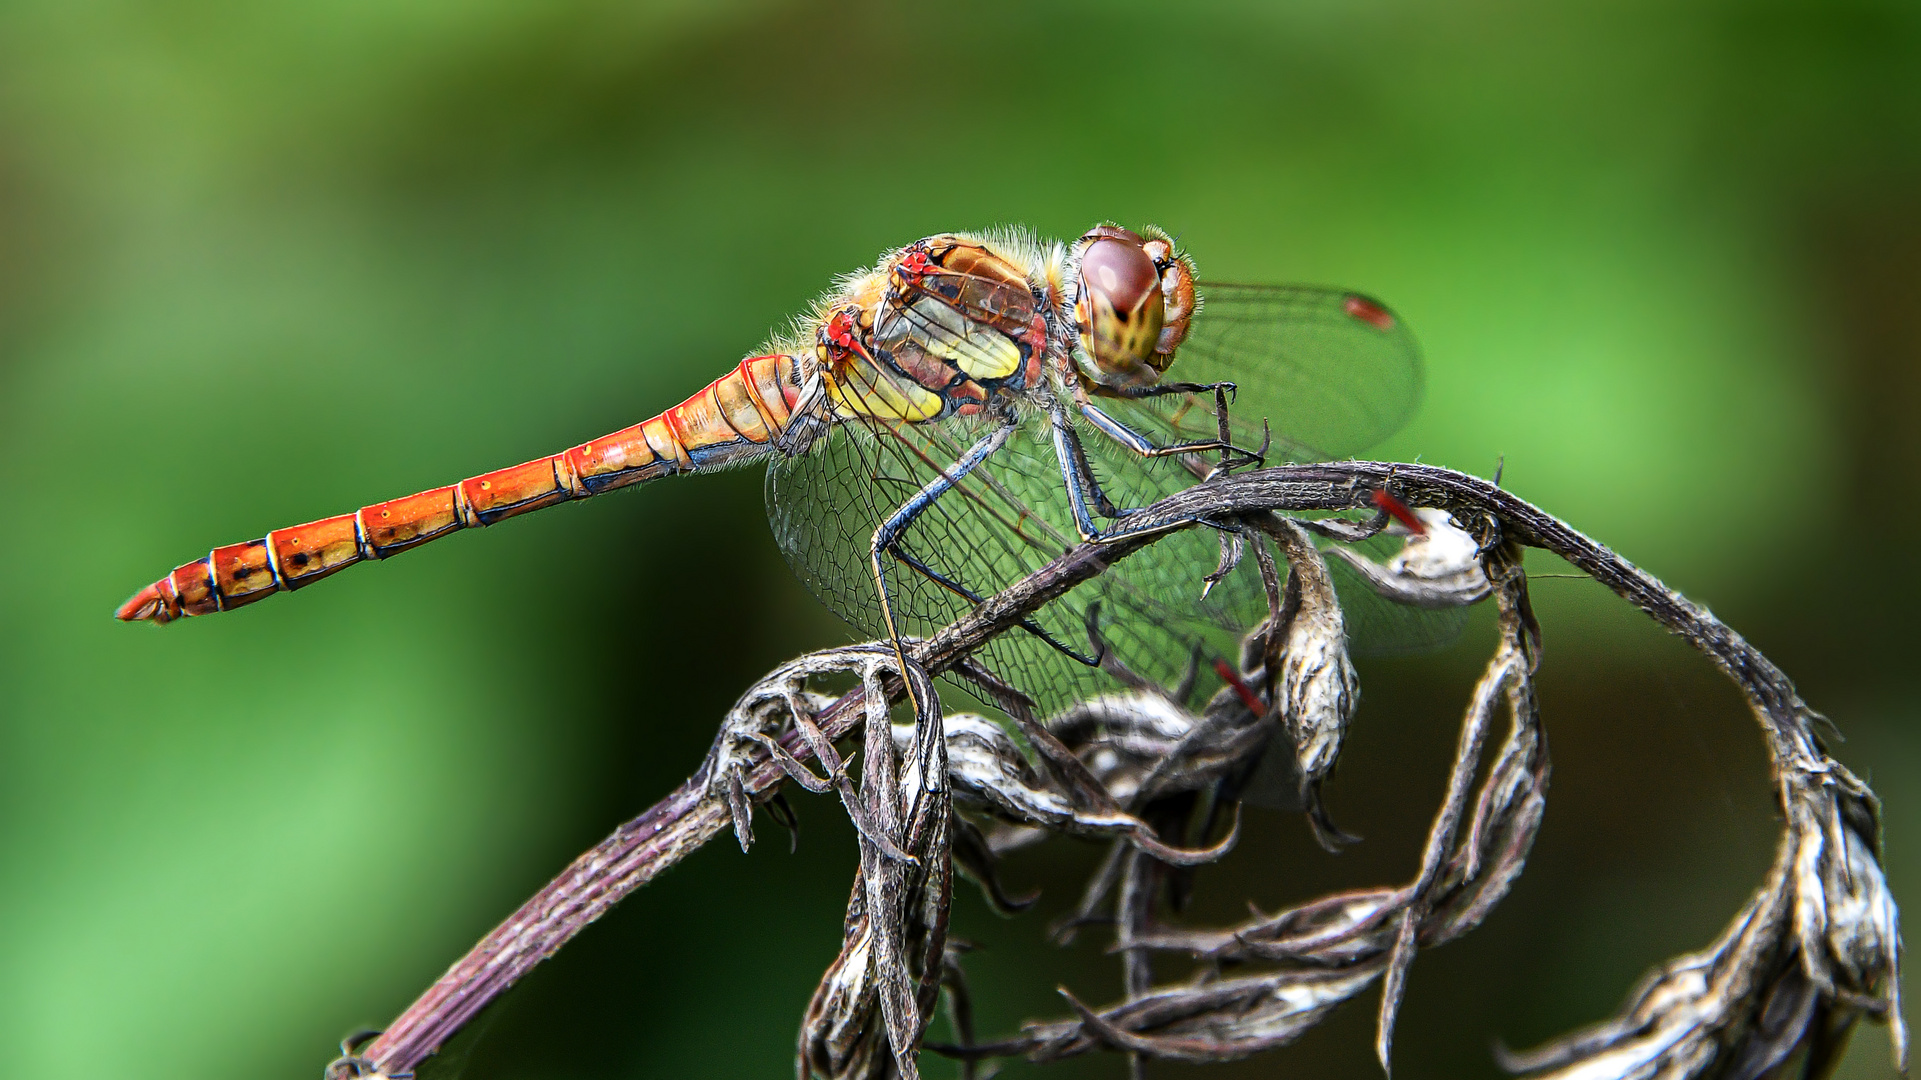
1818,941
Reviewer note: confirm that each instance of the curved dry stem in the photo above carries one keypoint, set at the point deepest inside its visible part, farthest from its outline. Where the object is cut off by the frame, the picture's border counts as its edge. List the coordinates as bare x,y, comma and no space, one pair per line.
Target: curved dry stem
1817,947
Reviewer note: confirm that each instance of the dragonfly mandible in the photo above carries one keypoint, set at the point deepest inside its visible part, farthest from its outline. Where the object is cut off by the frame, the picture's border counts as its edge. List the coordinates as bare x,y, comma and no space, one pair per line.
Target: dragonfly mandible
944,423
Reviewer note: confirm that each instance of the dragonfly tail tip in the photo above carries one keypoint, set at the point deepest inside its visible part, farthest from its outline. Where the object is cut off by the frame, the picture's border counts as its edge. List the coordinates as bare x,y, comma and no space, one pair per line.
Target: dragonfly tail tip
147,605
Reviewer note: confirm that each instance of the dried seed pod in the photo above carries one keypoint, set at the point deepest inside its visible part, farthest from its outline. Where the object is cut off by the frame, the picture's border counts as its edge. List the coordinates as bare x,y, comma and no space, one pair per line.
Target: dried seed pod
1318,691
1128,740
989,774
1203,1022
1439,567
1846,923
838,1033
1816,947
1863,925
866,1017
1315,687
1442,550
780,697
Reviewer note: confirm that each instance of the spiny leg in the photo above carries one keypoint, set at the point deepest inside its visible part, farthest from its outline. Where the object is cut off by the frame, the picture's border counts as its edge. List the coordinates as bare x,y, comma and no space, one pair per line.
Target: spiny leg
1233,456
1084,494
971,596
903,519
887,537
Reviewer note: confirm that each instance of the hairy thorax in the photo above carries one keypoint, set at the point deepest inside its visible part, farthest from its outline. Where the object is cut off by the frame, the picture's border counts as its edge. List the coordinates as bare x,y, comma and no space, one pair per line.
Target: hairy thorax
952,325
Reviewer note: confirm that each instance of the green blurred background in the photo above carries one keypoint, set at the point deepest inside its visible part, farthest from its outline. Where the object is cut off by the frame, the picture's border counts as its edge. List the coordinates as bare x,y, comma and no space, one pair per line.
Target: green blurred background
265,262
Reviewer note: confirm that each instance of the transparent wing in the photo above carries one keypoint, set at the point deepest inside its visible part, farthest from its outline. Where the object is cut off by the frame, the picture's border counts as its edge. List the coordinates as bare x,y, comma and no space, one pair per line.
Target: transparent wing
1002,522
1332,372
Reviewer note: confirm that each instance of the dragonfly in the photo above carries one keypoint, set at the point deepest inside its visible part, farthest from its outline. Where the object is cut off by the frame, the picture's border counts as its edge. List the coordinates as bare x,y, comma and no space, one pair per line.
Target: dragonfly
949,420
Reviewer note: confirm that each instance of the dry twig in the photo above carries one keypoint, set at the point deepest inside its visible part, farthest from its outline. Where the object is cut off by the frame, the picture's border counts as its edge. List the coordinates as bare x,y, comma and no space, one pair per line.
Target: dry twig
1815,949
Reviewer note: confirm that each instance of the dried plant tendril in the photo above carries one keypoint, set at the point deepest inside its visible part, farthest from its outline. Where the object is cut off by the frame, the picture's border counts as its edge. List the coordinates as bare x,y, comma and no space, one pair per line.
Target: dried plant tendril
1159,778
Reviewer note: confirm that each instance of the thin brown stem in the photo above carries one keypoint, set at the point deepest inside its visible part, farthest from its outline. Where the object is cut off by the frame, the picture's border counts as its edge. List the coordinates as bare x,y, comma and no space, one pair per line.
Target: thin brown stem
693,814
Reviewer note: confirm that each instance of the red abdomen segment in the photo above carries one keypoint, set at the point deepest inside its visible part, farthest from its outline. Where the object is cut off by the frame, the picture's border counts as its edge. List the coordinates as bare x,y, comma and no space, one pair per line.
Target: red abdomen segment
737,416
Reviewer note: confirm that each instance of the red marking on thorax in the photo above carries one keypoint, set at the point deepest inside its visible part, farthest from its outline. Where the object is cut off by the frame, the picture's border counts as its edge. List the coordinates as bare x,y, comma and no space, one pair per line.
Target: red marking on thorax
1368,311
840,330
915,264
1400,512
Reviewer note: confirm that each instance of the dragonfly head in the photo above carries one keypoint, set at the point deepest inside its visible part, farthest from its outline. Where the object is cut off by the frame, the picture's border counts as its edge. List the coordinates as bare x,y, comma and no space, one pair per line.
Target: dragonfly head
1136,294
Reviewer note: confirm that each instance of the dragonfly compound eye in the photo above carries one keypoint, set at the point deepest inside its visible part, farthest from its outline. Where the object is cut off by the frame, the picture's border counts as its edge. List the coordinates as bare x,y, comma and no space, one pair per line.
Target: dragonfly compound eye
1120,310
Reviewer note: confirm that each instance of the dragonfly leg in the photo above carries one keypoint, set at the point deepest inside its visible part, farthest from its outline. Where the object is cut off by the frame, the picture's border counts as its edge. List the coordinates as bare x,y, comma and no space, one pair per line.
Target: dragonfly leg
887,537
1084,494
1233,455
960,590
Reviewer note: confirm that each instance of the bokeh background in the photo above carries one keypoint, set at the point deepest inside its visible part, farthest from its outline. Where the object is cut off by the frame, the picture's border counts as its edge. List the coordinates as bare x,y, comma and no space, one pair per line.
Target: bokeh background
262,263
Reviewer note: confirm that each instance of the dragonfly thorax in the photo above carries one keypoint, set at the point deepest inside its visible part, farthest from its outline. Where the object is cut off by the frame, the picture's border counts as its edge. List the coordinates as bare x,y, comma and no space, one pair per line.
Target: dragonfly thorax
950,325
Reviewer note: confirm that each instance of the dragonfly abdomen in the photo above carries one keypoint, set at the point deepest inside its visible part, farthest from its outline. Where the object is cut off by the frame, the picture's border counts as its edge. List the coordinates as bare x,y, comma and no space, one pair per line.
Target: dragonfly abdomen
735,417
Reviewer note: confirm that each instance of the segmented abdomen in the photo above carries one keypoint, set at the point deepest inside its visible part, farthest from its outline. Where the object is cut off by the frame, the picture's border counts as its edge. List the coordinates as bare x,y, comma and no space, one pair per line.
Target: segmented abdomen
736,416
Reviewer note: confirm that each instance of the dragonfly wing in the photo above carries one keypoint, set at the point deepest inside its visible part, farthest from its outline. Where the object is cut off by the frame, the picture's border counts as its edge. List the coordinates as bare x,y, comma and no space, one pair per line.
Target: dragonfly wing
1002,522
1331,372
